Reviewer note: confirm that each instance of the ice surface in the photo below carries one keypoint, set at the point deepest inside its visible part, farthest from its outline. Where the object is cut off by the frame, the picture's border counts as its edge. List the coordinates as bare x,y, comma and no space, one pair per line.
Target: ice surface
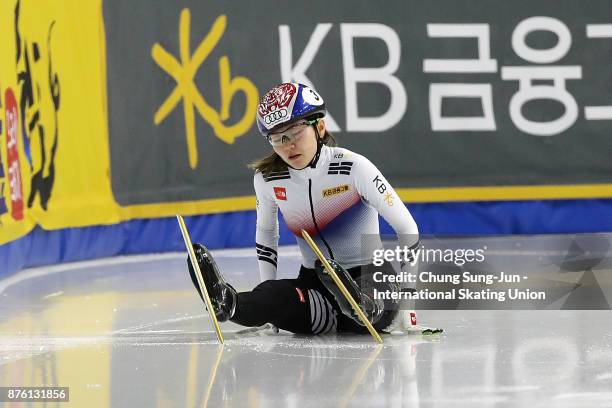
131,332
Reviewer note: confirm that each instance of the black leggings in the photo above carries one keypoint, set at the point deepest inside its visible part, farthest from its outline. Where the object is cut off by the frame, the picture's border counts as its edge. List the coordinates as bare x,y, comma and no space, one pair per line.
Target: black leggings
304,305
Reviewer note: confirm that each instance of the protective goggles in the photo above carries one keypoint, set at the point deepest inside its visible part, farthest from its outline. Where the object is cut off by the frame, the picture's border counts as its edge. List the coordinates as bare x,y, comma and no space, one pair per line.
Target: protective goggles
293,134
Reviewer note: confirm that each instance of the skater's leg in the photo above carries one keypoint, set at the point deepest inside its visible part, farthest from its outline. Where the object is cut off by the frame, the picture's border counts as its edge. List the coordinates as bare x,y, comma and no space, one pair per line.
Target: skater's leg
296,305
288,305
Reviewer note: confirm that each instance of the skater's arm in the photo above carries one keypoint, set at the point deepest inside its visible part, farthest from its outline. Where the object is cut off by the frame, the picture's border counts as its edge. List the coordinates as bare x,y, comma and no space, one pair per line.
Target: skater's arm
266,233
377,192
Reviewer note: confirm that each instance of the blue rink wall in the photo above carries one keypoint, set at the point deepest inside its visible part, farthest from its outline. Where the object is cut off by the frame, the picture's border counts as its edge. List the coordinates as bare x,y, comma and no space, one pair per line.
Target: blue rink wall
237,229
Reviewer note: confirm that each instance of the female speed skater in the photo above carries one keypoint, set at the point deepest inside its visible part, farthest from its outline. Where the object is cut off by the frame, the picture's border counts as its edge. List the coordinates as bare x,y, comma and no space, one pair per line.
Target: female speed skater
335,195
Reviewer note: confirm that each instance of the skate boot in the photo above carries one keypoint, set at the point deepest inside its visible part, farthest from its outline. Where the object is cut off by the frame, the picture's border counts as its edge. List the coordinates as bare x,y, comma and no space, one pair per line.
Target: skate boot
372,308
222,294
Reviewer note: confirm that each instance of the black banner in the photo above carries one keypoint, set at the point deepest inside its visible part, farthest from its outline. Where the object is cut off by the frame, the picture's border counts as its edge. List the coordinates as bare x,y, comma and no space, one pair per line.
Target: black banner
436,94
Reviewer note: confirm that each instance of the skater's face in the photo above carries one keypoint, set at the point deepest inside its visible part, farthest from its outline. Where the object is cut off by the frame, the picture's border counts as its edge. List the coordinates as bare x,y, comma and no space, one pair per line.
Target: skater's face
299,143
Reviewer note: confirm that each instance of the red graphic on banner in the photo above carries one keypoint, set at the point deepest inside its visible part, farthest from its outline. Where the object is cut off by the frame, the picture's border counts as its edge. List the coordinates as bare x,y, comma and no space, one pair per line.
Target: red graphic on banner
280,193
12,155
413,319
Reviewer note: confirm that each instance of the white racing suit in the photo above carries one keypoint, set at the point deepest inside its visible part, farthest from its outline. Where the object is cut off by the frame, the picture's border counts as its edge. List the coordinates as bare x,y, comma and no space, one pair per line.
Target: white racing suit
337,201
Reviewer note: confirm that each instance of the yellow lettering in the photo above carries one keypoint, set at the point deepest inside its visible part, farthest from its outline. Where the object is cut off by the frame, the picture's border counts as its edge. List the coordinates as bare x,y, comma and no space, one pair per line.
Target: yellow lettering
184,73
335,190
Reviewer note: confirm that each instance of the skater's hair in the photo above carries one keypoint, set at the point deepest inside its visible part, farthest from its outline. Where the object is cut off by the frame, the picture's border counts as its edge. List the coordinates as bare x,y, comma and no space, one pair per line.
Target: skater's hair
273,162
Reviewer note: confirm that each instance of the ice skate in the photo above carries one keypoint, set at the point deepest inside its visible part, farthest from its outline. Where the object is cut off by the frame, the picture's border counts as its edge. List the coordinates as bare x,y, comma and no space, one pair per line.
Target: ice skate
222,294
373,309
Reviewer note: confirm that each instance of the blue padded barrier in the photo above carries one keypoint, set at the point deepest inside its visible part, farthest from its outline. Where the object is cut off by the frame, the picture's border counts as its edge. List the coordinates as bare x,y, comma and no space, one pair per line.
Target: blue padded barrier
237,229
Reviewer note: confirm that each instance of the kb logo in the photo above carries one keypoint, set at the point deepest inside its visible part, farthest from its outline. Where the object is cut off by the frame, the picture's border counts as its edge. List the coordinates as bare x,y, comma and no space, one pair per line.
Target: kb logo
380,185
275,116
184,71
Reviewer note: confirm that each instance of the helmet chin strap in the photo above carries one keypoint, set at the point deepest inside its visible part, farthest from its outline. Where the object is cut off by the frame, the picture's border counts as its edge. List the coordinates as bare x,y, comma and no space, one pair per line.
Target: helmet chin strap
315,158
